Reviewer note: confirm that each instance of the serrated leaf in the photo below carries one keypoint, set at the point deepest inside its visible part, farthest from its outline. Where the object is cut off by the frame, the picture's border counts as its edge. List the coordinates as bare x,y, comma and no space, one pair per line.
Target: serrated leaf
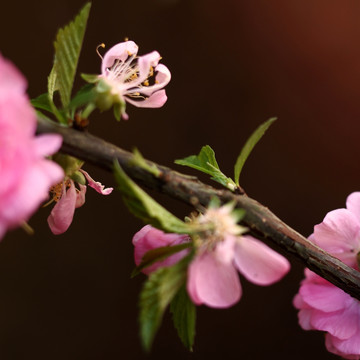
52,88
52,83
159,254
248,147
146,208
68,45
206,162
157,293
184,317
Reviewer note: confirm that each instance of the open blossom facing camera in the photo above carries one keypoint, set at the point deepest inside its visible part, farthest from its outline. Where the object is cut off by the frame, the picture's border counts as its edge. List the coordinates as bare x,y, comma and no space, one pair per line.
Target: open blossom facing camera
322,305
220,253
138,80
25,174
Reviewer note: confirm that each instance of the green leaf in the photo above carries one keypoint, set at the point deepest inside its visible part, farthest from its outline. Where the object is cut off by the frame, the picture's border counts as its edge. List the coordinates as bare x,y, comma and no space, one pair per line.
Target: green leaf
157,293
52,88
42,102
146,208
52,83
84,96
248,147
184,317
68,45
206,162
159,254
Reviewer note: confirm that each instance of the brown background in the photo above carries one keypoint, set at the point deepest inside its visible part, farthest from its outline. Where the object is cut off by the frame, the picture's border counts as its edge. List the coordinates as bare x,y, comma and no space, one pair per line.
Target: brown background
234,64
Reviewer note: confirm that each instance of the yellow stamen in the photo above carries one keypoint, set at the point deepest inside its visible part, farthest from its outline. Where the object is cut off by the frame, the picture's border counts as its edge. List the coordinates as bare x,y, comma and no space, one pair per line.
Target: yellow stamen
126,39
146,83
97,49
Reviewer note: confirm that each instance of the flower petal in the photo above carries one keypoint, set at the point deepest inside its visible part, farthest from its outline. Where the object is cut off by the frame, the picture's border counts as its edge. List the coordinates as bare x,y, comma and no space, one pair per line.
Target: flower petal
225,249
304,314
62,214
47,144
11,79
317,296
96,185
156,100
342,324
149,238
162,78
212,282
80,196
258,263
353,204
347,349
145,63
118,52
339,234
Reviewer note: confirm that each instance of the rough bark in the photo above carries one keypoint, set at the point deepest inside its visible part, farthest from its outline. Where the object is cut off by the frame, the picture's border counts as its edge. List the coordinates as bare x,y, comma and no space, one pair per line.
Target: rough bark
262,222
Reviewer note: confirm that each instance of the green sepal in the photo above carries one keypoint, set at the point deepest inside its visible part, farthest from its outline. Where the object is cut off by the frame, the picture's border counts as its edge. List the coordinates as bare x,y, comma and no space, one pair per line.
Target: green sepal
139,161
157,293
159,254
206,162
78,177
84,96
90,78
248,147
146,208
69,163
118,111
184,317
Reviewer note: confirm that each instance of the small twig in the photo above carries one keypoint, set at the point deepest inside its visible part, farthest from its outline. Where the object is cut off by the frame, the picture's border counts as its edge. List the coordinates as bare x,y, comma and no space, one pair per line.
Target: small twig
258,218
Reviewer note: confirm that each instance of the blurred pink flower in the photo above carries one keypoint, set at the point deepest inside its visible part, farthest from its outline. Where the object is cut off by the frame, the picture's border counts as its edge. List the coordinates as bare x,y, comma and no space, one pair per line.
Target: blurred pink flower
138,80
322,305
150,238
68,198
26,176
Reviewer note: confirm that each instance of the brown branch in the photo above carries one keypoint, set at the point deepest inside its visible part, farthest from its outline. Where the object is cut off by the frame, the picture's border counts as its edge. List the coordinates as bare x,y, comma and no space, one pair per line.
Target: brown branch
262,222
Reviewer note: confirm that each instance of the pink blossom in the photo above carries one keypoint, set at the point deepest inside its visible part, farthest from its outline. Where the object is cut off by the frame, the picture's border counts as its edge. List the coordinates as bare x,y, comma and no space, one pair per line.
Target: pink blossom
212,276
220,253
26,175
325,307
68,198
138,80
322,305
149,238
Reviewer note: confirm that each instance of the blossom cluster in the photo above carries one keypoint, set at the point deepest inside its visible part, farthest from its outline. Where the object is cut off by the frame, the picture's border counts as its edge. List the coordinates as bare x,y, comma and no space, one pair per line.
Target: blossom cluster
322,305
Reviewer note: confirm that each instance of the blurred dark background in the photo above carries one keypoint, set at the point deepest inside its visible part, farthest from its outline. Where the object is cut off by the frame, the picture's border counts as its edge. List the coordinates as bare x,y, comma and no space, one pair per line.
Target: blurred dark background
234,64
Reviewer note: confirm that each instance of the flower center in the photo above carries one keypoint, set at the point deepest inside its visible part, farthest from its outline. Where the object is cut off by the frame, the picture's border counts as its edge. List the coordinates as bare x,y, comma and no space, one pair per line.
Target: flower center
56,190
126,74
